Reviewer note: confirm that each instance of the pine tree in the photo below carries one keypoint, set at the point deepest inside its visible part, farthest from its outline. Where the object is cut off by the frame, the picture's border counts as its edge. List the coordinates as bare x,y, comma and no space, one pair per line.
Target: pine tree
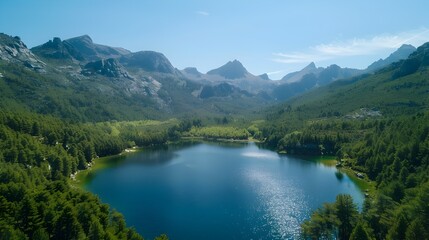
415,231
360,233
346,214
96,231
67,226
399,228
29,217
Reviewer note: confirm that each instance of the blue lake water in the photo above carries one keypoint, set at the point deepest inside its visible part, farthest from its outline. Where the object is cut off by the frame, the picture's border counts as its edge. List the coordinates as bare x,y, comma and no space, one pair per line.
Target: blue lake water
218,191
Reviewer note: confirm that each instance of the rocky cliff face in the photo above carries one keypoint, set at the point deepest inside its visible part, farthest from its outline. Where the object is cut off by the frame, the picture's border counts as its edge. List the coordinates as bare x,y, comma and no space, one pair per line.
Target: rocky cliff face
106,67
57,49
12,49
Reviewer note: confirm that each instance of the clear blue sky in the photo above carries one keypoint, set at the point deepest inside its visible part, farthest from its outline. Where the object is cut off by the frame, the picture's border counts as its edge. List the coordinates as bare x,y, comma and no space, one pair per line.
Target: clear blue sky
274,36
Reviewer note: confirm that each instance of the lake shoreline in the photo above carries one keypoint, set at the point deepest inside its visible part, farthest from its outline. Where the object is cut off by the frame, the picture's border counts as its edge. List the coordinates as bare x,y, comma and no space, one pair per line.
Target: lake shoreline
209,174
81,177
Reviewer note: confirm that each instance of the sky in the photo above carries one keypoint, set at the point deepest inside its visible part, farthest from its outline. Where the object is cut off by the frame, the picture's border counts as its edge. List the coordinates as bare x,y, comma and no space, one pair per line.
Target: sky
270,36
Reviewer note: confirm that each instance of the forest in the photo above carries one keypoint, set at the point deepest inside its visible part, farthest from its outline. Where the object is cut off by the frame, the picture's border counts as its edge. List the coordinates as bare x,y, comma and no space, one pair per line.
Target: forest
391,152
38,154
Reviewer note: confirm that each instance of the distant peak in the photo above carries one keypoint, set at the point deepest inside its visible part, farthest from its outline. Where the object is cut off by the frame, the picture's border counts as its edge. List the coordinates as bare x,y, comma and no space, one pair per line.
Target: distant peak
264,76
334,66
192,70
83,38
56,40
311,66
236,63
231,70
407,46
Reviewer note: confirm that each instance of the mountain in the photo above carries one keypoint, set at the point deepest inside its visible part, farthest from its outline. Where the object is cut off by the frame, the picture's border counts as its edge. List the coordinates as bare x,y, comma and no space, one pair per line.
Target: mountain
57,49
149,61
231,70
297,76
400,88
82,81
192,71
401,53
315,78
296,83
233,73
80,49
91,51
264,76
418,60
13,50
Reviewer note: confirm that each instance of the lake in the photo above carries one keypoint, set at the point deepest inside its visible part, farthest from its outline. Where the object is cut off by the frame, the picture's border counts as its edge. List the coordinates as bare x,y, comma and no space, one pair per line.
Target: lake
218,191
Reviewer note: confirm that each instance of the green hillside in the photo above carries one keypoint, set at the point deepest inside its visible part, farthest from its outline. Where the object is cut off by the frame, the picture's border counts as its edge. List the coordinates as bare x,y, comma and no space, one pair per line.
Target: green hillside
376,125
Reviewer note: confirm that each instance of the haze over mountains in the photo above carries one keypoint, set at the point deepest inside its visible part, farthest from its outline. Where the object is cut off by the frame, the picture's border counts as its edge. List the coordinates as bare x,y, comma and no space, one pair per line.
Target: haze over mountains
99,78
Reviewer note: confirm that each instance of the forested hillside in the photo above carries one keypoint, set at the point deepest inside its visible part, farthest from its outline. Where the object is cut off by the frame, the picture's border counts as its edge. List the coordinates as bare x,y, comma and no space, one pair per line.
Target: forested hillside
377,125
38,155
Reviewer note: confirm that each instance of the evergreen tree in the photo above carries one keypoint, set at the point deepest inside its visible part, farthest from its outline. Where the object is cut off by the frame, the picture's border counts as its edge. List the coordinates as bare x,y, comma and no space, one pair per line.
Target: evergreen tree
399,228
416,231
347,215
96,231
360,233
40,234
29,217
67,227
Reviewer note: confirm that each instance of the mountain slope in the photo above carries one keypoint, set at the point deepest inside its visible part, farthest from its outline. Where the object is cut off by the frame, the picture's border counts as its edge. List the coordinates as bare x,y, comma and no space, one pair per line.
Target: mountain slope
106,67
401,53
149,61
317,78
401,88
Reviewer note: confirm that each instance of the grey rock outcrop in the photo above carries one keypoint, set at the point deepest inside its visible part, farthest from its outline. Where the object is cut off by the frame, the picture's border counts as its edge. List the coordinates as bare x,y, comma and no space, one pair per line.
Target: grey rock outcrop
12,49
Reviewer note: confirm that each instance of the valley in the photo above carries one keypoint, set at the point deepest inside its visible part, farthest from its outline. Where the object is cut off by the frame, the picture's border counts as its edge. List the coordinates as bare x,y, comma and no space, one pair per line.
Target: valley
67,103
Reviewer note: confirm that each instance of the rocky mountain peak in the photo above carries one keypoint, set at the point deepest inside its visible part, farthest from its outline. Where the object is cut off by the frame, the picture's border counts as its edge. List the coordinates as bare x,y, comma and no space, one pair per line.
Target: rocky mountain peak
264,76
231,70
12,49
192,70
310,66
57,49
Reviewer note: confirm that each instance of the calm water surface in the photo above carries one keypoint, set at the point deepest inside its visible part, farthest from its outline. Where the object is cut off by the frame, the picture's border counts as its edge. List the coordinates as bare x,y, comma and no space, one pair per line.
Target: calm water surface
218,191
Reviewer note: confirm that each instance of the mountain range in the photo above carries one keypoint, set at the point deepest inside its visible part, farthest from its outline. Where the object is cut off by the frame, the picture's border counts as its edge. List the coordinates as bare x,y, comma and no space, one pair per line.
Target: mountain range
81,80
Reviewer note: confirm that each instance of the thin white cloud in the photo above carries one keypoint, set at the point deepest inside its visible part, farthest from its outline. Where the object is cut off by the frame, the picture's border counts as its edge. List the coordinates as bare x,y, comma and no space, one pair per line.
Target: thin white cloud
297,57
355,47
275,72
202,13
